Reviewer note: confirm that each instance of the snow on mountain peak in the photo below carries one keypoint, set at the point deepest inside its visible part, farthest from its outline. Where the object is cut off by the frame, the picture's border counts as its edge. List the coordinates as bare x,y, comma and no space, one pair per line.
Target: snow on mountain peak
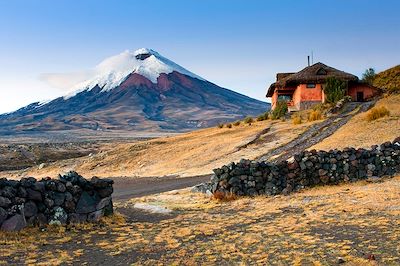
112,71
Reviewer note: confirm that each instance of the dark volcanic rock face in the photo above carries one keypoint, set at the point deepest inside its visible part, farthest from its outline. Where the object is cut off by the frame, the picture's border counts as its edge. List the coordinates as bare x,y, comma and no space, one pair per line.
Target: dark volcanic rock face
176,103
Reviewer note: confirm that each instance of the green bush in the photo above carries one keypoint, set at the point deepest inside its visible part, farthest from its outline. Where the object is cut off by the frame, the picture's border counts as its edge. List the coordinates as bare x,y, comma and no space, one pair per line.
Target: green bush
369,76
262,117
229,125
220,125
237,123
280,110
249,120
334,90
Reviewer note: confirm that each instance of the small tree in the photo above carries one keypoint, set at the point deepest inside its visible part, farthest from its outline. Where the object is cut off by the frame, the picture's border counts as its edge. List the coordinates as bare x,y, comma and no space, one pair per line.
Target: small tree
369,76
334,90
280,110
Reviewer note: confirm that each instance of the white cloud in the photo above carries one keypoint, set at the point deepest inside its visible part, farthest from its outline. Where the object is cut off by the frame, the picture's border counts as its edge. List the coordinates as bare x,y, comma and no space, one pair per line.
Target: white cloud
66,81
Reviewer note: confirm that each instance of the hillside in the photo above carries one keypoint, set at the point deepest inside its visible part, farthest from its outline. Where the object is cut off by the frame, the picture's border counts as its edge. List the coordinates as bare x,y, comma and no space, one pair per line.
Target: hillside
187,154
137,91
388,80
359,132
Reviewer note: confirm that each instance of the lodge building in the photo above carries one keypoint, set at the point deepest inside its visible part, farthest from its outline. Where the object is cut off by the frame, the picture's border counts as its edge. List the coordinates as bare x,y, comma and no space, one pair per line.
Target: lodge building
304,89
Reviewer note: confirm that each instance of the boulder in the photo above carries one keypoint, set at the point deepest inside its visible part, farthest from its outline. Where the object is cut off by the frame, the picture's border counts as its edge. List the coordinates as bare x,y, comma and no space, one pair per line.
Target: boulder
58,198
86,203
34,195
101,183
14,223
30,209
105,192
3,215
103,203
75,218
8,192
59,217
4,202
95,216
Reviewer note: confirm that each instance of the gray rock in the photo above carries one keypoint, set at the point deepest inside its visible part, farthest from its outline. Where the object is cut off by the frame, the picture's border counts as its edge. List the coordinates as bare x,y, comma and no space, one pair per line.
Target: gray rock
69,206
95,216
86,203
103,203
14,223
4,202
105,192
30,209
34,195
3,215
75,218
49,203
59,217
61,187
8,192
58,198
101,183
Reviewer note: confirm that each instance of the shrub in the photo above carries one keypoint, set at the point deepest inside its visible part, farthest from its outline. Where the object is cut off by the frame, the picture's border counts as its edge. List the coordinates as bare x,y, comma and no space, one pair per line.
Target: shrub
319,107
220,125
280,110
377,112
249,120
237,123
262,117
296,120
334,90
229,125
314,115
222,196
369,76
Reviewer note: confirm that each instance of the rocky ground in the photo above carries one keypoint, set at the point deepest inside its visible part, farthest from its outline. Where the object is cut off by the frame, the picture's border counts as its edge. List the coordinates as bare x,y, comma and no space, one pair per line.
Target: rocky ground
354,224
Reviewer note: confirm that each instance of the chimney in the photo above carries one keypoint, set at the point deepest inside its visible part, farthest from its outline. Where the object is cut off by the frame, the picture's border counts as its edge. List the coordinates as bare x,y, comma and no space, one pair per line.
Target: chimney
308,60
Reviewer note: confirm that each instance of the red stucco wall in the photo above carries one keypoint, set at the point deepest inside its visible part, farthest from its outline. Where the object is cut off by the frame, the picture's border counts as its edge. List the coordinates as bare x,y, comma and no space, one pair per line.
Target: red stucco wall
368,91
304,94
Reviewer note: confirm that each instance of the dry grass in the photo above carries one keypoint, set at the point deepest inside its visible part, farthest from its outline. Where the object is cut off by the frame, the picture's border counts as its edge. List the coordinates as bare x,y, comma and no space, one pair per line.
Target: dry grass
314,115
188,154
376,113
296,120
359,132
313,227
224,197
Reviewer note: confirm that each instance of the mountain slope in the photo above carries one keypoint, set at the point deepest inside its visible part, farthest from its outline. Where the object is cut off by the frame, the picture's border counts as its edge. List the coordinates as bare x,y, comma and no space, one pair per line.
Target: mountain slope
136,91
388,80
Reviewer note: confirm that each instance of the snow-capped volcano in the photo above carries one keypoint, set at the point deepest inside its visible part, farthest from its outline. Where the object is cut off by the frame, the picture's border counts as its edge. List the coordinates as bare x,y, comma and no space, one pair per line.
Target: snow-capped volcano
111,72
141,91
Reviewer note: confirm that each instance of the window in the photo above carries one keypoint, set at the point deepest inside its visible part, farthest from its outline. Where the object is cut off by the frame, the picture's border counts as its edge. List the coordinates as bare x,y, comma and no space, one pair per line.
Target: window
284,98
311,85
321,71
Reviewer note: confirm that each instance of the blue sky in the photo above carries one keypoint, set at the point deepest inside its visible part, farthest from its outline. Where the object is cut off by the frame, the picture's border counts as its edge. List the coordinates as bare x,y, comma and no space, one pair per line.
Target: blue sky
236,44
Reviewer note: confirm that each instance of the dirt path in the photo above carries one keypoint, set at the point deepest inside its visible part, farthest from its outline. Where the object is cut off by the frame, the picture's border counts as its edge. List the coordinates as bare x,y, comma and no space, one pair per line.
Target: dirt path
316,133
127,188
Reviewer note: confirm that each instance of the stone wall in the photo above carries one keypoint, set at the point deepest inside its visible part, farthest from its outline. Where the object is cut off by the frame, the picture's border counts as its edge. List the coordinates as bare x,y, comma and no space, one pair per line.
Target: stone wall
68,199
307,169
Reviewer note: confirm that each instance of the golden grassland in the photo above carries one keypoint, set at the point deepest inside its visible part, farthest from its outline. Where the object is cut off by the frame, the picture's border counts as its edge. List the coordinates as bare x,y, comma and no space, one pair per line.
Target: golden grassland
314,227
188,154
361,133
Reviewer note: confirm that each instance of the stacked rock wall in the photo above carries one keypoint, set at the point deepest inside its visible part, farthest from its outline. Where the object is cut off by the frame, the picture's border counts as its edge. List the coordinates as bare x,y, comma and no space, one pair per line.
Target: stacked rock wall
307,169
69,199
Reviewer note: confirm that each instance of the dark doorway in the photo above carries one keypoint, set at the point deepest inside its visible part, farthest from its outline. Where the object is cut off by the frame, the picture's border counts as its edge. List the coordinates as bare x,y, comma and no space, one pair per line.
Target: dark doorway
360,96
